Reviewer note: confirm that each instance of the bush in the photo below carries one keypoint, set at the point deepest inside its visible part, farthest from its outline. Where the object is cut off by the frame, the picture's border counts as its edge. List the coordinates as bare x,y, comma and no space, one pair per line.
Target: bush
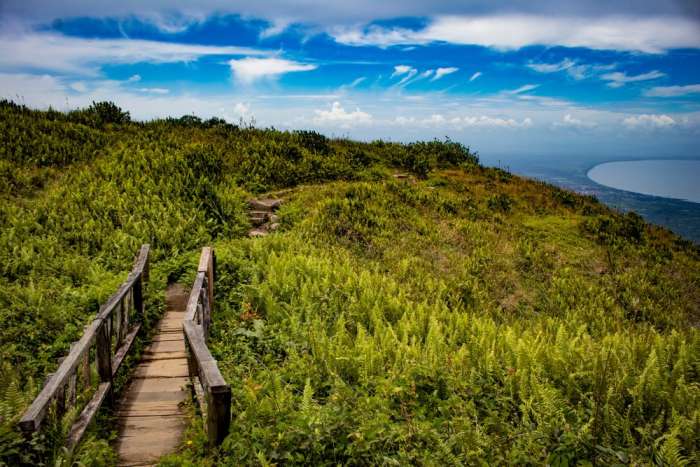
500,202
629,227
100,114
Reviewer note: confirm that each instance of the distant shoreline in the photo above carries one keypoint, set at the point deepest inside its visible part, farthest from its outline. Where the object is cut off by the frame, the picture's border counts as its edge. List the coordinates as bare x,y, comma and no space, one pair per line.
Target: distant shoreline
646,190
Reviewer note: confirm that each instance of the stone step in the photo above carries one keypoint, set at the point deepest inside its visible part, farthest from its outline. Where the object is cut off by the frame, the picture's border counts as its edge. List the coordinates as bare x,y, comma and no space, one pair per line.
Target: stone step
257,233
264,204
257,222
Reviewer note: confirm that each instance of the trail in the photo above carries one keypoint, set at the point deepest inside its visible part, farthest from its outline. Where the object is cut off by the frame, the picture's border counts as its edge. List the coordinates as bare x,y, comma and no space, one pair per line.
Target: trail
151,418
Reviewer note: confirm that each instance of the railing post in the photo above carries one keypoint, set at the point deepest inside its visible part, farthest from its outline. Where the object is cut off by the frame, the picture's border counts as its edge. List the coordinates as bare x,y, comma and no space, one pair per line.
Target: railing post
219,414
138,297
212,280
104,357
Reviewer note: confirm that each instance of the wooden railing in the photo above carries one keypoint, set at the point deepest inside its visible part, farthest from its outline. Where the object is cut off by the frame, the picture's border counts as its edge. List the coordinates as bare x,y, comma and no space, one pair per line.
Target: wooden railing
84,378
209,387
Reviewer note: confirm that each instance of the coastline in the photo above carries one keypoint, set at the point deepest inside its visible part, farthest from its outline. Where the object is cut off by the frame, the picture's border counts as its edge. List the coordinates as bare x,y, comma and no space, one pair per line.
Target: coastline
636,192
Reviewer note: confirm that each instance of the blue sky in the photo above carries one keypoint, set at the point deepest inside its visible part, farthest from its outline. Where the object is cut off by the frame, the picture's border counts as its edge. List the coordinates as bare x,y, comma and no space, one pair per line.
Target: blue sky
552,78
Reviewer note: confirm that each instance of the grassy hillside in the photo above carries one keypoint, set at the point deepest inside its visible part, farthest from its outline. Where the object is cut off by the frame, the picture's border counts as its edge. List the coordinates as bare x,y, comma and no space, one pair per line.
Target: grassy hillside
460,316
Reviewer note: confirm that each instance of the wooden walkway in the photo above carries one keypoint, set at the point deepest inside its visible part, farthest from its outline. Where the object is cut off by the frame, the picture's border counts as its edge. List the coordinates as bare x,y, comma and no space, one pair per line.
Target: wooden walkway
151,419
177,366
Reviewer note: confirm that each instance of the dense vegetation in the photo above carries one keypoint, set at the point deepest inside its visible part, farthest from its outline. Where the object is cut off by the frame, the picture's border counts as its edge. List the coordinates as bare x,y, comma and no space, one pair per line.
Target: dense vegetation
460,316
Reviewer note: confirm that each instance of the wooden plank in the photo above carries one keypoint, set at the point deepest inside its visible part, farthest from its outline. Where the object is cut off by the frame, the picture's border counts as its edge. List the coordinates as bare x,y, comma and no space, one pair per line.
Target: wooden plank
151,420
191,309
140,269
205,259
151,408
156,385
162,369
145,439
169,336
150,356
78,429
165,347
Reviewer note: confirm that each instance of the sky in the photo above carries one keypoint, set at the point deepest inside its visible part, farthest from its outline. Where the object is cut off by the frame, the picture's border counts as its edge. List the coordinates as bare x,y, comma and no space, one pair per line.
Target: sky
559,78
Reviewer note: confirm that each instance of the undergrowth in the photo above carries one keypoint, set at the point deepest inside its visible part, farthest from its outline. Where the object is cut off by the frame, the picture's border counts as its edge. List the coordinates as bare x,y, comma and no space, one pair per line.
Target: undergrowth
459,316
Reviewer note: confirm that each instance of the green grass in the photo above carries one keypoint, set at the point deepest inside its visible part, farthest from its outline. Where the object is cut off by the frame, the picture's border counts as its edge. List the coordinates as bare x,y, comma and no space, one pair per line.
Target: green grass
462,316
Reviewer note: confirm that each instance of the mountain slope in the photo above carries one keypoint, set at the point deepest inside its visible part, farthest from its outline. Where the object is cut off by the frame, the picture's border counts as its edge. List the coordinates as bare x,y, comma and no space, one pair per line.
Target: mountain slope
457,315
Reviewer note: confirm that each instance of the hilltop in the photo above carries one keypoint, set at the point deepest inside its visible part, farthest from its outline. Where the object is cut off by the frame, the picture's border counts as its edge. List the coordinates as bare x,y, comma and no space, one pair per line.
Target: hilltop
456,314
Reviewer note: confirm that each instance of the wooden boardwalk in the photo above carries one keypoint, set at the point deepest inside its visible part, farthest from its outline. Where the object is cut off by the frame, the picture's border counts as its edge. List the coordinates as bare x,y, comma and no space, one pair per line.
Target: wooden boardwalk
151,419
177,366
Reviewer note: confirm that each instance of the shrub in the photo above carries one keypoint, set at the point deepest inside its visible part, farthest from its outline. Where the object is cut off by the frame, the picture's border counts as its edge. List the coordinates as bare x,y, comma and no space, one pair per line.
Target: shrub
500,202
100,114
629,227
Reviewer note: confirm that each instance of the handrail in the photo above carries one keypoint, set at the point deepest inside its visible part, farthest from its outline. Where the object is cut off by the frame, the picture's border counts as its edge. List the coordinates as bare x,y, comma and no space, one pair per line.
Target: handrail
210,389
101,349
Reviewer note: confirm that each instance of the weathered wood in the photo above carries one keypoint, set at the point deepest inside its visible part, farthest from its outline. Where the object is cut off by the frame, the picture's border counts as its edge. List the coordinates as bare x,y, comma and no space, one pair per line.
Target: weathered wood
210,388
138,297
61,386
104,357
124,349
142,263
151,419
198,393
72,389
191,311
205,319
78,429
140,269
207,265
86,372
32,418
60,397
218,411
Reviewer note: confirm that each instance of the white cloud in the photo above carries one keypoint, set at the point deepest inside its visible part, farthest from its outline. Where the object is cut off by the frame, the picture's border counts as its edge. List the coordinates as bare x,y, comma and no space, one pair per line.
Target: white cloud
134,79
574,69
435,119
172,22
619,79
79,86
250,69
672,91
337,116
426,74
154,90
475,76
277,27
484,121
440,72
521,89
582,71
404,71
438,120
357,81
513,31
72,55
551,67
573,122
649,121
400,70
241,109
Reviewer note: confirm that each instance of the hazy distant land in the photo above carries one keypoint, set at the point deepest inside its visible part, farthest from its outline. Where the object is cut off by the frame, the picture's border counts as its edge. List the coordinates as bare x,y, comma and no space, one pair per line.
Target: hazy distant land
682,217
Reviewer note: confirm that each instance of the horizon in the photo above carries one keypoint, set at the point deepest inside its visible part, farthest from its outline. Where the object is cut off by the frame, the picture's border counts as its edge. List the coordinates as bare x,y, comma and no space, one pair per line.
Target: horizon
612,79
